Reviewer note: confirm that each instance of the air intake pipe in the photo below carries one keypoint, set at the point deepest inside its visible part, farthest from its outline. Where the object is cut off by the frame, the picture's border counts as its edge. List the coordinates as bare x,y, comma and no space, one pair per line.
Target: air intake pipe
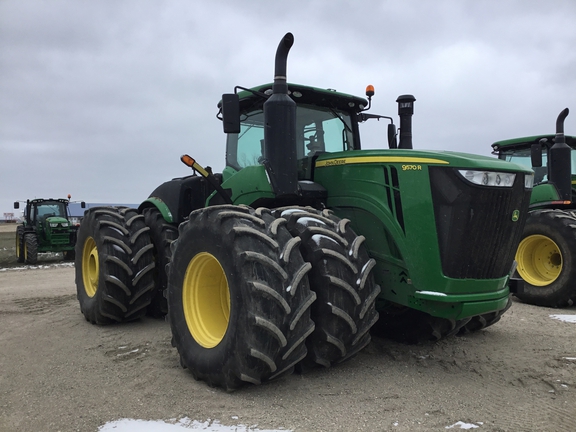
280,128
405,111
559,163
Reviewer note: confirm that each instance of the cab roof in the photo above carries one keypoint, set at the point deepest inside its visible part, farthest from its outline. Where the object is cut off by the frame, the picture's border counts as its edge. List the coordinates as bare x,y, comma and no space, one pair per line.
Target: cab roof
306,95
525,142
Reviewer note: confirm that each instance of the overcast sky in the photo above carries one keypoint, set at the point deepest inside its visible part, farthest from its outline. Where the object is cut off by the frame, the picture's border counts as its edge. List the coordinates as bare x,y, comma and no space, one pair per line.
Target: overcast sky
100,99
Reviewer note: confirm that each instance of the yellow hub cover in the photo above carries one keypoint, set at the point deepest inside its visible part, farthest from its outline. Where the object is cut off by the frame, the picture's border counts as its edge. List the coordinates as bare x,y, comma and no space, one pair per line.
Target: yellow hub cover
90,267
206,300
539,260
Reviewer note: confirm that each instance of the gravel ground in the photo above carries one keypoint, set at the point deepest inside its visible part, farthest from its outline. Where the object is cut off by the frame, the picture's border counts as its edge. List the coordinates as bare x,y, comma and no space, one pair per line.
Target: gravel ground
60,373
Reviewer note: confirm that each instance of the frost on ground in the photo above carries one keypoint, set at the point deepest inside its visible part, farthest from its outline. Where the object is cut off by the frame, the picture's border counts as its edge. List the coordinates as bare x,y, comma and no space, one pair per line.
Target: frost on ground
184,424
37,267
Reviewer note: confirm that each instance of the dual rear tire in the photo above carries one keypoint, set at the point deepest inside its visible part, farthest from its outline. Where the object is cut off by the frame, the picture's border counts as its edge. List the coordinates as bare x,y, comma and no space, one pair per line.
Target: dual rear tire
114,265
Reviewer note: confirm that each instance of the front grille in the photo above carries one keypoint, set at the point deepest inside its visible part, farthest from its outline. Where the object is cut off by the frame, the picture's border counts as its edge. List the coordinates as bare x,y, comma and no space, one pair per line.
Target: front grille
60,238
393,193
476,234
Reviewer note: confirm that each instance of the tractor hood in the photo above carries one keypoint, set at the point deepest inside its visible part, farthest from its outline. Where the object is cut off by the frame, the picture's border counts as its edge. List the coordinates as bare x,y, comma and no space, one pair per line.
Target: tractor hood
412,159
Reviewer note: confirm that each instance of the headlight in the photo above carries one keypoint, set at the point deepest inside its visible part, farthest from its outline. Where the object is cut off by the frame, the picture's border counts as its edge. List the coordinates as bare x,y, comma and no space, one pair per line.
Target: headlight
62,224
489,178
529,181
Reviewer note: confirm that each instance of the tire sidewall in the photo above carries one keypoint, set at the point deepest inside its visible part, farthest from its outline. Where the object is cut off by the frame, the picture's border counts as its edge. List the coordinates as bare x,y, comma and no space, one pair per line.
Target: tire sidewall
206,360
88,305
31,244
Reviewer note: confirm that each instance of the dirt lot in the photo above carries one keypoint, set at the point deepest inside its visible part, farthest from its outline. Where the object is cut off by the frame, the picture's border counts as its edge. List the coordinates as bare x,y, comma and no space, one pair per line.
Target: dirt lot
59,373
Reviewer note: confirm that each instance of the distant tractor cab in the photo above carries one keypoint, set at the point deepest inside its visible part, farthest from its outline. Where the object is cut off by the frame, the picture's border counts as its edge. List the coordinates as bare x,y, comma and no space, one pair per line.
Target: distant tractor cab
546,256
46,228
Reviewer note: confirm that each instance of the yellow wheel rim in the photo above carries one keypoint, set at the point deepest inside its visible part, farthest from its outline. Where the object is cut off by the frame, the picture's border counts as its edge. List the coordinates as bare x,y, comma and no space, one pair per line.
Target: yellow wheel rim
17,245
90,267
206,300
539,260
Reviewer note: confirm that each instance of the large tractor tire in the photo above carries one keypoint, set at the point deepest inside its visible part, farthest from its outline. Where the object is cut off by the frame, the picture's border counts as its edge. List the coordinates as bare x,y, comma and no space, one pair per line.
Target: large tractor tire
20,244
114,265
30,249
546,258
238,296
341,277
162,235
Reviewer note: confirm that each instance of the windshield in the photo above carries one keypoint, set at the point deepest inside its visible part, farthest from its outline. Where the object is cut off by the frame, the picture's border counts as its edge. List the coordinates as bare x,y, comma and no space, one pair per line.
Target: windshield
317,130
49,209
522,157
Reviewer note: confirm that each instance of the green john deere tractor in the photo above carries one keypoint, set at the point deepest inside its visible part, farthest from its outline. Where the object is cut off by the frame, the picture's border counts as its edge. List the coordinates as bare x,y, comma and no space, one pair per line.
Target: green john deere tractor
546,256
46,228
305,243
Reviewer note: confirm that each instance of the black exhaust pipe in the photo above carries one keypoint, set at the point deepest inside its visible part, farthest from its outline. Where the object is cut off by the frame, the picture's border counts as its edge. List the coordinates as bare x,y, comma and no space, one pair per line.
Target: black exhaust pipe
559,160
405,111
280,128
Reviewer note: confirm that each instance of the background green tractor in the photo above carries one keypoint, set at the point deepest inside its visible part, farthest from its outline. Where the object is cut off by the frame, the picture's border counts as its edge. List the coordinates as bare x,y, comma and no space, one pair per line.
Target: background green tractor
290,256
46,228
546,273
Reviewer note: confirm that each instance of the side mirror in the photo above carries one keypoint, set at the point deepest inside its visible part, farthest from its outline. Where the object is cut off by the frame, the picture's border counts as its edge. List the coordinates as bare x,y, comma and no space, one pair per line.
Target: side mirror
16,205
231,113
536,155
82,204
392,136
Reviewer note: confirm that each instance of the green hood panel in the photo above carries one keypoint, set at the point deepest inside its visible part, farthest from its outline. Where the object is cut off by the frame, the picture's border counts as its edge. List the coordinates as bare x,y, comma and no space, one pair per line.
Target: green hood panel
412,159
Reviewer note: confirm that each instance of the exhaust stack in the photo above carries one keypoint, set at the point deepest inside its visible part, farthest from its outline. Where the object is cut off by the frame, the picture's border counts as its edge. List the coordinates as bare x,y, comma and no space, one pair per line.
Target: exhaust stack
280,128
559,160
405,111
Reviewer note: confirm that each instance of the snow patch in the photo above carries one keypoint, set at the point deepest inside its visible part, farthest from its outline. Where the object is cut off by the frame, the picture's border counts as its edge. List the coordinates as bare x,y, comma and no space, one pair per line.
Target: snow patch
173,425
462,425
565,318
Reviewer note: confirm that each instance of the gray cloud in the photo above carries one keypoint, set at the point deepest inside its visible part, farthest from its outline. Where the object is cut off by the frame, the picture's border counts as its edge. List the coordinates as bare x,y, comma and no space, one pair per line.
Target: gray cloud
99,99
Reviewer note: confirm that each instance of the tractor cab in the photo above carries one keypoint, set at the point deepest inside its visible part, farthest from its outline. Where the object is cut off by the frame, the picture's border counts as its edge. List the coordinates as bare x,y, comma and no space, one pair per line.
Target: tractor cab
42,210
47,216
533,152
326,121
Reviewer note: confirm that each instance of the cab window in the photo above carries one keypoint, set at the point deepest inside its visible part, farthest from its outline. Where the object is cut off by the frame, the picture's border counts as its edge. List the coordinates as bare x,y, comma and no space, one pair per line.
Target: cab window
317,130
522,157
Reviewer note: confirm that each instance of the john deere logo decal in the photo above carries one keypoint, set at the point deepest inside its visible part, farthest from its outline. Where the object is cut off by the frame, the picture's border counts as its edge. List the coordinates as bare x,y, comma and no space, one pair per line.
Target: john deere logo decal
515,215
